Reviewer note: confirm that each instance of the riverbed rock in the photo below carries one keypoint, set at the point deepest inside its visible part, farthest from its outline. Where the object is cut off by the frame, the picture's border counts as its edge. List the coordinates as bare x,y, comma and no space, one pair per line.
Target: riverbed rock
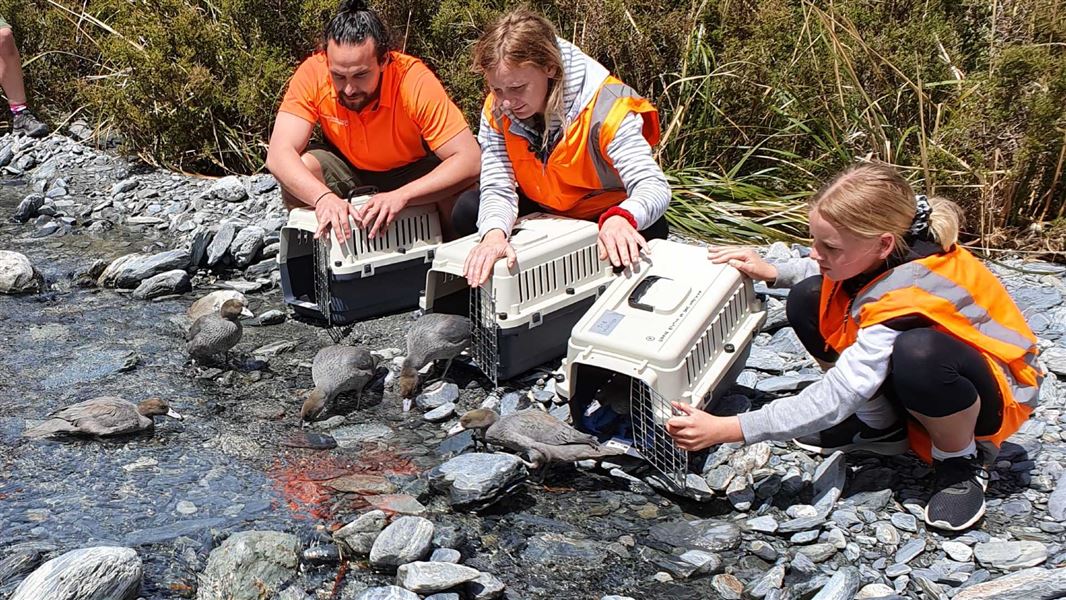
246,246
1009,556
98,573
429,577
387,592
221,242
359,535
228,189
164,284
405,540
130,270
250,564
477,479
17,275
28,207
1030,584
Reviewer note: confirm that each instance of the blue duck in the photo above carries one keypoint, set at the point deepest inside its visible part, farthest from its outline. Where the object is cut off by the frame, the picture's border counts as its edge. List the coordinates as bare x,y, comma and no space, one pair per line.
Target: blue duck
103,416
335,370
215,333
540,436
434,336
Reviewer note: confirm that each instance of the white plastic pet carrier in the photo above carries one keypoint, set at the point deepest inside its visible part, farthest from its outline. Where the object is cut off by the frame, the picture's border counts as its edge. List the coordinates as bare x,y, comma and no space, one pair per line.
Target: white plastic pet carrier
335,284
522,317
679,328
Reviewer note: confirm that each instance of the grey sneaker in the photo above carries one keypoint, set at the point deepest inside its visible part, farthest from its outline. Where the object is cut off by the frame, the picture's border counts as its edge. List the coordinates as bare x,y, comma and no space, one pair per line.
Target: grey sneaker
26,123
852,435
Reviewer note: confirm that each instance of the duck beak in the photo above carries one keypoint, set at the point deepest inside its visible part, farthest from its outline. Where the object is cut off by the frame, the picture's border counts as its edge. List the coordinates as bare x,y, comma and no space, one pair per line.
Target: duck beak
173,414
456,429
246,314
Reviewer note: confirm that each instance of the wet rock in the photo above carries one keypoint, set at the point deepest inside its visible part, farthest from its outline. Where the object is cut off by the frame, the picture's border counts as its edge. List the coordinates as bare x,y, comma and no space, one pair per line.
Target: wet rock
321,554
250,564
164,284
437,395
359,535
18,562
485,587
397,504
272,317
440,413
221,242
1009,556
710,534
350,436
246,245
388,592
841,586
405,540
130,270
308,439
430,577
27,209
556,549
17,275
1030,584
477,479
228,189
99,573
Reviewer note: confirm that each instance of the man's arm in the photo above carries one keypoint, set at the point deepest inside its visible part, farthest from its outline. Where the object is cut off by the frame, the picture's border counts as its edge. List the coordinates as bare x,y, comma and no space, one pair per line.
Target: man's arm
287,143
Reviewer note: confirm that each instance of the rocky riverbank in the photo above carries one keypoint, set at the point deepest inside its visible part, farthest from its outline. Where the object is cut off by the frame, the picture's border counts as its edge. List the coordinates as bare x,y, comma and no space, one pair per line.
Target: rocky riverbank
237,501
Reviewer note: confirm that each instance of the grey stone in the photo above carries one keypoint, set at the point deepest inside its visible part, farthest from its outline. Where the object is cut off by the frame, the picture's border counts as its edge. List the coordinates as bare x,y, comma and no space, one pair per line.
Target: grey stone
359,535
221,243
1010,556
448,555
164,284
264,183
388,592
405,540
228,189
709,534
886,533
843,585
437,396
786,383
272,317
765,359
249,565
126,185
740,494
352,435
749,458
908,551
801,524
763,524
246,245
818,552
485,587
897,570
727,586
1030,584
98,573
556,549
440,413
443,596
772,580
905,521
198,243
719,477
705,562
828,482
804,537
1056,504
874,590
130,270
429,577
17,274
477,479
27,209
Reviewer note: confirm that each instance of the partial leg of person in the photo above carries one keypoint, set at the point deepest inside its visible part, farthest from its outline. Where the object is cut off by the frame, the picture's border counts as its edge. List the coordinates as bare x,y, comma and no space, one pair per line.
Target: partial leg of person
947,386
23,121
468,204
329,167
877,426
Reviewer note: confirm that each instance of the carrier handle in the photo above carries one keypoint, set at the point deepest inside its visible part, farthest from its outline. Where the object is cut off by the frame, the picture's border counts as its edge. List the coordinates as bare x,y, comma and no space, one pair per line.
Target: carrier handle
640,290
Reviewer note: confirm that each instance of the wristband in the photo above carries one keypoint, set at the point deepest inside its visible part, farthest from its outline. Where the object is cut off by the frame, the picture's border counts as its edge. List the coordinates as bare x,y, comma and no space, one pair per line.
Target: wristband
323,195
617,211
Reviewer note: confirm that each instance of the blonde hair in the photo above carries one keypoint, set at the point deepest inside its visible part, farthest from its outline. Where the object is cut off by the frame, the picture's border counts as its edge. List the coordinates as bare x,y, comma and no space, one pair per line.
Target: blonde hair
869,199
523,37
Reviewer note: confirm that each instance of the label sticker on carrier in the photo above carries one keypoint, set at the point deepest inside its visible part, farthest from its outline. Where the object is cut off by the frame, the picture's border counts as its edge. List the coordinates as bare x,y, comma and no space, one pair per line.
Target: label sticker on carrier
606,324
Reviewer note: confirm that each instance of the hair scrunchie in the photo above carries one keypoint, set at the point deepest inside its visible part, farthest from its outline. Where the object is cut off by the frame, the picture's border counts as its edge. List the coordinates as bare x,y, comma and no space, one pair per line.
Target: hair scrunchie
922,213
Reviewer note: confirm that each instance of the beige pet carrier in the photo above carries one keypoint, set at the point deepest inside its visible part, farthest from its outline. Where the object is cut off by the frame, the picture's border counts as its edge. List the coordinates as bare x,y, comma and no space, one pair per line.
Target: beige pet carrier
677,329
334,284
522,316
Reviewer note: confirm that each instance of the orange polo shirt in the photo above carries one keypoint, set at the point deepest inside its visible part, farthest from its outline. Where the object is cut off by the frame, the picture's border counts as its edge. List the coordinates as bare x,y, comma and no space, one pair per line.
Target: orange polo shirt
412,113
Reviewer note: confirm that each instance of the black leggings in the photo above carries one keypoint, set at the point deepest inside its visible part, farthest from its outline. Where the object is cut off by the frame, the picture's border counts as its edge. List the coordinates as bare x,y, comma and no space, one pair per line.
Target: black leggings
464,215
931,373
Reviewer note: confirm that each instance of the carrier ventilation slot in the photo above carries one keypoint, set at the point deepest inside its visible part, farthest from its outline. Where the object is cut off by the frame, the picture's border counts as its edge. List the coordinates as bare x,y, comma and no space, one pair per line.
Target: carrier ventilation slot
323,295
649,413
484,332
713,340
564,271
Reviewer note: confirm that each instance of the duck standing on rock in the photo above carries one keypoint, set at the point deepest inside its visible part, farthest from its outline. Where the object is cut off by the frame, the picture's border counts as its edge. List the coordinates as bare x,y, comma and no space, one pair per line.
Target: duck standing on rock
103,416
540,436
215,333
335,370
434,336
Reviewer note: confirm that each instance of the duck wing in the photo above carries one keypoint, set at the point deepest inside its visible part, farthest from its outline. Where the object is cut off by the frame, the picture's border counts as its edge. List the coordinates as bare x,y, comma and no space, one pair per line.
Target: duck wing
546,429
194,329
106,415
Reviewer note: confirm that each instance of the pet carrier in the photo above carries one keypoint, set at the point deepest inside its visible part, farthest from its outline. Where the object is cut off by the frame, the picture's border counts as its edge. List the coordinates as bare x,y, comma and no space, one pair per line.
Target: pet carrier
332,284
522,316
677,329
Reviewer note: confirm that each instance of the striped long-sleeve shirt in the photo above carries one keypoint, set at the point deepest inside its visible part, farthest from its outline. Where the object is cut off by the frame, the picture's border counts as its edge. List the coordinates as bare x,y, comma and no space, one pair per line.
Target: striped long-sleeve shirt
646,187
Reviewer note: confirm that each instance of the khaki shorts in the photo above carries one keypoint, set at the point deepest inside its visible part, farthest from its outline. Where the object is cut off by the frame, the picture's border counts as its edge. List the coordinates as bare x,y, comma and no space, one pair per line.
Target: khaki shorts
342,177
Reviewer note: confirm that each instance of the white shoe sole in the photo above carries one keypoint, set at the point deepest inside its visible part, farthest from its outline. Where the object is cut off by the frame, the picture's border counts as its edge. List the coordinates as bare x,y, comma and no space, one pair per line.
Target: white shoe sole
885,448
949,527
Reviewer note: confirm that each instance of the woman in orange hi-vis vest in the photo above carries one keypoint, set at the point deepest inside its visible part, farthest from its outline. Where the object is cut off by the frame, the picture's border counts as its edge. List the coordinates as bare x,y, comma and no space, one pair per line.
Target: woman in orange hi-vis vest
923,346
560,135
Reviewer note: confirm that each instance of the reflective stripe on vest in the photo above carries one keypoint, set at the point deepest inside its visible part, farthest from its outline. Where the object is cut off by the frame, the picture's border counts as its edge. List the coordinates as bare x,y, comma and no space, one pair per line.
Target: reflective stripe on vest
608,95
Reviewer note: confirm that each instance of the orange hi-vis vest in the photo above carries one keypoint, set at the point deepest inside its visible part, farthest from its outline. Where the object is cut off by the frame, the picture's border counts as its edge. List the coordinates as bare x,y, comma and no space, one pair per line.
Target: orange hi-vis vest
963,299
578,180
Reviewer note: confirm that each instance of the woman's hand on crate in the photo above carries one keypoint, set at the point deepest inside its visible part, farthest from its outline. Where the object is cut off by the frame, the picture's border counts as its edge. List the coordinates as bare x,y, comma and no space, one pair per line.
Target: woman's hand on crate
333,212
483,257
380,211
620,242
745,260
695,429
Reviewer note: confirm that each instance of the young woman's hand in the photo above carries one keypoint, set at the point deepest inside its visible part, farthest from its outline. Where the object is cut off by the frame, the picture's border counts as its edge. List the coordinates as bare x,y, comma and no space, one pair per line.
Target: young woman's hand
696,430
619,242
745,260
483,257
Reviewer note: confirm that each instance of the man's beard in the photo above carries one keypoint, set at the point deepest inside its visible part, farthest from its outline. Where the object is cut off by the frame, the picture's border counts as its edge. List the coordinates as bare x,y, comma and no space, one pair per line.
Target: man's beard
357,102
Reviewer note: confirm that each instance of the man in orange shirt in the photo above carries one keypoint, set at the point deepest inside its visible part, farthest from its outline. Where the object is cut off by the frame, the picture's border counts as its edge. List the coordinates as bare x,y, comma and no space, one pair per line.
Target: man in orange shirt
387,122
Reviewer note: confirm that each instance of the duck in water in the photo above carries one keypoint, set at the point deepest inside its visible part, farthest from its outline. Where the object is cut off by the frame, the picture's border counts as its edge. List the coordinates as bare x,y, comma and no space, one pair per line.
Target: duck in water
335,370
102,417
536,434
215,333
434,336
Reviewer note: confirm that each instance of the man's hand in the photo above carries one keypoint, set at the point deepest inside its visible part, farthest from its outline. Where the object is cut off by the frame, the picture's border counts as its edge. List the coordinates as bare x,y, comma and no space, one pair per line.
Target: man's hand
745,260
482,257
696,430
379,212
619,242
332,213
